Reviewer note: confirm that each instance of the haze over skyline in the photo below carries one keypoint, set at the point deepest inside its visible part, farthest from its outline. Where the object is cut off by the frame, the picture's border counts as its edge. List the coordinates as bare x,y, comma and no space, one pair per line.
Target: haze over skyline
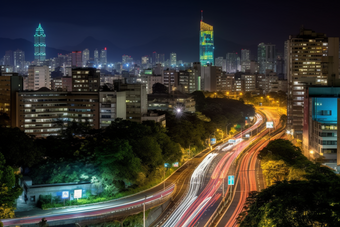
129,24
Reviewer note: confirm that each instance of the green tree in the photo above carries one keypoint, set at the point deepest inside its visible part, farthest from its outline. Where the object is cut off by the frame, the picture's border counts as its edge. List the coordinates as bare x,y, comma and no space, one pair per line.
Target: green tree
9,189
18,148
116,162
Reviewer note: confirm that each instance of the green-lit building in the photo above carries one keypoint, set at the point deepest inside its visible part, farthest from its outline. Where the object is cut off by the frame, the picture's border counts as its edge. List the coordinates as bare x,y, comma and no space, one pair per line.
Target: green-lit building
206,44
39,44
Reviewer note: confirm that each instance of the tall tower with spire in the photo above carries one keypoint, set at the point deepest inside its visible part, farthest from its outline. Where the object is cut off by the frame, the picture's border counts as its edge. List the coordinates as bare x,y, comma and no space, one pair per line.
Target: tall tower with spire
206,43
39,44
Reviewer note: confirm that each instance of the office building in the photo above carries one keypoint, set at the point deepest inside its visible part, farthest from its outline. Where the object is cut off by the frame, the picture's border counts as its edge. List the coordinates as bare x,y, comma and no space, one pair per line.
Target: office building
103,56
86,57
173,60
209,77
136,101
206,43
9,58
245,60
112,105
19,61
171,102
96,57
44,113
221,62
170,78
313,59
76,59
85,79
38,77
266,57
232,63
320,131
39,45
10,83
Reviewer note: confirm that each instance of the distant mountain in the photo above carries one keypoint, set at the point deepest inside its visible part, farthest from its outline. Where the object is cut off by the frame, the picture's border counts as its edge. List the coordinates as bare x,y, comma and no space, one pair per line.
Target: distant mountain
27,47
187,49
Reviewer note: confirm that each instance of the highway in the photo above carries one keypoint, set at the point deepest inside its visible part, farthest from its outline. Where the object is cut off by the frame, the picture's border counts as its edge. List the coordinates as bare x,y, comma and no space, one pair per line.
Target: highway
202,197
121,207
249,174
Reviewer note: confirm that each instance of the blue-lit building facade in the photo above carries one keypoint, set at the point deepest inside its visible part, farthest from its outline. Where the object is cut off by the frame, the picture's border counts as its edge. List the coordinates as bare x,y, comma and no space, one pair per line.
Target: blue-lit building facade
320,128
39,44
206,44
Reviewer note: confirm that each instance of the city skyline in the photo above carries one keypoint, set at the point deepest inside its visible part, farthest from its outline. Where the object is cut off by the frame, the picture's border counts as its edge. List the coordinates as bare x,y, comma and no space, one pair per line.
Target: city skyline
232,26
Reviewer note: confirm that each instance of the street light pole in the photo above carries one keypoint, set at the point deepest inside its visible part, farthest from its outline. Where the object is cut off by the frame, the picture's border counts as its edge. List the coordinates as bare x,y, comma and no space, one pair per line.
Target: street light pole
164,179
144,212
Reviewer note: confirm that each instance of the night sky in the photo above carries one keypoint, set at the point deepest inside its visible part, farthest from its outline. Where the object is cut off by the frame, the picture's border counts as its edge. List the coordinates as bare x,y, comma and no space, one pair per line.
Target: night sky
133,23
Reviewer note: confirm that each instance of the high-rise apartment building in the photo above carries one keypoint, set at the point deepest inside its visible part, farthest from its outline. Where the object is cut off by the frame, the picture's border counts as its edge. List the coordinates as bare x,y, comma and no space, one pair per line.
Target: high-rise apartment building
39,44
85,79
232,61
19,61
173,59
136,101
103,56
38,77
8,58
85,57
313,59
266,57
96,57
209,77
245,60
206,43
10,83
76,59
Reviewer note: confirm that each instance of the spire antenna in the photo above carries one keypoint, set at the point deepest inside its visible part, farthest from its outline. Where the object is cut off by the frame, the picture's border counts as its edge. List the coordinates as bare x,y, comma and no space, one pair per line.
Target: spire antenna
201,15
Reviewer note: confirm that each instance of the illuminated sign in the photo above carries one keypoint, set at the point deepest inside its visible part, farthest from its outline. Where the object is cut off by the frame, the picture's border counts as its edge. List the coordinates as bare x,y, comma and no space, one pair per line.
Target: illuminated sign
65,194
166,165
78,193
231,180
213,141
270,124
231,141
175,164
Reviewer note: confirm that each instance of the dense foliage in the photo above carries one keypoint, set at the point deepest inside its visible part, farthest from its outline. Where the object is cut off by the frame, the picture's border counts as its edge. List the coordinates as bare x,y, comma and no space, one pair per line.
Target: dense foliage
302,193
9,189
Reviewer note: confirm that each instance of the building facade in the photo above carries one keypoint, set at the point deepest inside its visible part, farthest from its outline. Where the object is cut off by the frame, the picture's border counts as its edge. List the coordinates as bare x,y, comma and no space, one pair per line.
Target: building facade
38,77
85,79
266,57
206,44
39,44
313,59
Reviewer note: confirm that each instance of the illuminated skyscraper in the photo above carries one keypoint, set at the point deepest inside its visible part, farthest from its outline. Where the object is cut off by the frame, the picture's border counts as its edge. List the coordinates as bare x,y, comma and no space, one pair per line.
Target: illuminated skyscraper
173,59
96,57
103,56
86,57
39,44
206,43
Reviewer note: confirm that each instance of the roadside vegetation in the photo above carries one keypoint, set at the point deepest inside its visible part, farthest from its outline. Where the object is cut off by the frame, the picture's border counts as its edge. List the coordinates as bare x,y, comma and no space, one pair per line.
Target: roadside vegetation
300,192
124,158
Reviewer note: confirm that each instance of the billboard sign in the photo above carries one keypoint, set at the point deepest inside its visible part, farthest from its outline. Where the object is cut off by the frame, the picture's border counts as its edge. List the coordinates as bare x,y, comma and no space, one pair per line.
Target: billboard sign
175,164
231,180
231,141
65,194
270,124
213,141
78,193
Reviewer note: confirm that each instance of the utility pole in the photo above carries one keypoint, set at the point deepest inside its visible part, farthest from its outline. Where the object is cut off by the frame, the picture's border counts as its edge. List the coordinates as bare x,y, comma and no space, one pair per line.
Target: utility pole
164,179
